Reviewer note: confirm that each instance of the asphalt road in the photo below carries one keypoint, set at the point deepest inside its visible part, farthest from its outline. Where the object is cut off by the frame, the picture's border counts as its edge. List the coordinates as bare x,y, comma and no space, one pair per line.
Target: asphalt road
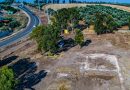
34,21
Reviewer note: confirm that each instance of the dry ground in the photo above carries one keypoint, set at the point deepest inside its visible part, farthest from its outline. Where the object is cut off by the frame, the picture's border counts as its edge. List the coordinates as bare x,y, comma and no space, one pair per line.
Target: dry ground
67,63
66,69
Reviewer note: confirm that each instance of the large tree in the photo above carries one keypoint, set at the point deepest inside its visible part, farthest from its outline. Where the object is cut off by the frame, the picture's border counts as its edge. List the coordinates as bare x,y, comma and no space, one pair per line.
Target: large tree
104,23
47,37
7,80
63,16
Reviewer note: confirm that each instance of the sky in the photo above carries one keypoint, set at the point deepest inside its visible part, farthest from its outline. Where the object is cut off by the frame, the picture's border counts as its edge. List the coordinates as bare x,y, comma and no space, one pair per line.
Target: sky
120,1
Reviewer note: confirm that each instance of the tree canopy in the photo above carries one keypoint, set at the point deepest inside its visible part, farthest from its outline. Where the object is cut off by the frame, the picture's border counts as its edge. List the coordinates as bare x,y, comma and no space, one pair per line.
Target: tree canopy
79,38
7,80
104,23
47,37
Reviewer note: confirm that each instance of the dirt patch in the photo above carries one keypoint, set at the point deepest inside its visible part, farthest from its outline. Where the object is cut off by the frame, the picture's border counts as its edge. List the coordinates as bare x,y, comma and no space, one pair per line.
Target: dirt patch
67,69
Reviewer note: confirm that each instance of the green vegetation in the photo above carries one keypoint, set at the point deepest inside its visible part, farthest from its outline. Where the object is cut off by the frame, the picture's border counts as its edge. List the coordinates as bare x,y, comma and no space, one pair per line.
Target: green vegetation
9,1
119,16
14,24
79,38
9,23
65,16
1,24
7,80
8,8
104,23
47,37
129,23
105,20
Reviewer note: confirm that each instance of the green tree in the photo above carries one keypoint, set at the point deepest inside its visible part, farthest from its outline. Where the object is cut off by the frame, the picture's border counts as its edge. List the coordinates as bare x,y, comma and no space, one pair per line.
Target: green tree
14,24
7,80
1,24
63,16
79,38
110,24
9,1
98,25
47,37
104,23
129,23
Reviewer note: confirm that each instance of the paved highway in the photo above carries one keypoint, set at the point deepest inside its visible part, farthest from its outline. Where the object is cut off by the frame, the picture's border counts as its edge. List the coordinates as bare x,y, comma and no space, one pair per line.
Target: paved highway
34,21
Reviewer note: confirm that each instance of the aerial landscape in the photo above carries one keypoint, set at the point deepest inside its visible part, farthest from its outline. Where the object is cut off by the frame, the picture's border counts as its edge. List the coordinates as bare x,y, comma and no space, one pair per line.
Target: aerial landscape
64,45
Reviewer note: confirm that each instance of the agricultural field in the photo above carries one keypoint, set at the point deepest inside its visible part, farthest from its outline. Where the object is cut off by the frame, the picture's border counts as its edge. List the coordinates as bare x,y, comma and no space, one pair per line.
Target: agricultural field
120,17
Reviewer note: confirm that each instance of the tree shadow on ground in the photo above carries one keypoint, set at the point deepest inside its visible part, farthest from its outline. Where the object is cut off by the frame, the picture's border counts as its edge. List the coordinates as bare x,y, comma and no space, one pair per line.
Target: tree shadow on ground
25,73
87,42
7,60
68,43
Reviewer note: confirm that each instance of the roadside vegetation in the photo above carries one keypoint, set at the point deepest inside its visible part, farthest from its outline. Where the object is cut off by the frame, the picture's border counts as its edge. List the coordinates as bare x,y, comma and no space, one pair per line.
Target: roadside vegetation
7,79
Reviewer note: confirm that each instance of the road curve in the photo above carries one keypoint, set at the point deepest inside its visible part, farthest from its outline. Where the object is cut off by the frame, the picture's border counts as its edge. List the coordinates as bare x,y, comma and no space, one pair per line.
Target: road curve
34,21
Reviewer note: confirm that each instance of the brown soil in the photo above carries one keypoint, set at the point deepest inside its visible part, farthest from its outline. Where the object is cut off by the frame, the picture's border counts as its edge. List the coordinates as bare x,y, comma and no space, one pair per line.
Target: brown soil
68,63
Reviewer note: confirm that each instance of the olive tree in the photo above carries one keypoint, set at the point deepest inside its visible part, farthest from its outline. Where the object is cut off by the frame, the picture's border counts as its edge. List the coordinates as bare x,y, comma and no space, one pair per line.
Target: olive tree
79,38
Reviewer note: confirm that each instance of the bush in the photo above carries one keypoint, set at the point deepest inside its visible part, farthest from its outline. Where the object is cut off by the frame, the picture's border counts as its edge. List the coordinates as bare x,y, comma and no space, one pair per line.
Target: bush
7,80
14,24
79,38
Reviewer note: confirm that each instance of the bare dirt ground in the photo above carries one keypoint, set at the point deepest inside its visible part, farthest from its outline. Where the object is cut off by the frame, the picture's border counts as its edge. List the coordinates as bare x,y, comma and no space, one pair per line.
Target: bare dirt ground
79,69
67,68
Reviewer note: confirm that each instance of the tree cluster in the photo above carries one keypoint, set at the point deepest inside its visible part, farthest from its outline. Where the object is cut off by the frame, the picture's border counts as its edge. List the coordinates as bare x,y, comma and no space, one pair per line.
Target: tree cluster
7,79
47,37
65,16
14,24
104,23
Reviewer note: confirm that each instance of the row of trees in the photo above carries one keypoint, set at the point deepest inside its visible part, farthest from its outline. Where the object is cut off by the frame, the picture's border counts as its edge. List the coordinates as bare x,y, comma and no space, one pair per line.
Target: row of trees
48,37
88,12
111,18
65,16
